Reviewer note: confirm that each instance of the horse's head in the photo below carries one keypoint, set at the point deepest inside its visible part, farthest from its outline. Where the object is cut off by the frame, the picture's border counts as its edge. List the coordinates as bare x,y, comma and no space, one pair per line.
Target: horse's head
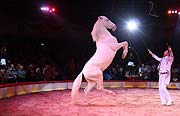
107,23
101,26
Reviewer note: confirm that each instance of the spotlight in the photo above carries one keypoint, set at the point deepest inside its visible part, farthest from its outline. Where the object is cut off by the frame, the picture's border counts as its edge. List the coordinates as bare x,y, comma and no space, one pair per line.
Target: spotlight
169,11
47,9
173,11
179,13
176,11
53,9
42,44
132,25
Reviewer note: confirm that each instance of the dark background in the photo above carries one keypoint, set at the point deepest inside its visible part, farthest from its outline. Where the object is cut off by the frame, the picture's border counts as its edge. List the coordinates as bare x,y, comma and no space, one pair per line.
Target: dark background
66,33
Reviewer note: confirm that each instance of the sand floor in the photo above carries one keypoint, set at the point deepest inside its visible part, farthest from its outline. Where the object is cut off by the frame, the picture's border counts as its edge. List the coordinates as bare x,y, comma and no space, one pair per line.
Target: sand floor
126,102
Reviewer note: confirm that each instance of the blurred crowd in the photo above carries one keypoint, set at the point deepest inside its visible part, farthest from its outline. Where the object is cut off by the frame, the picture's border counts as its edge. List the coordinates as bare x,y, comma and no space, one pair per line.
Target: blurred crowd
43,68
31,73
144,71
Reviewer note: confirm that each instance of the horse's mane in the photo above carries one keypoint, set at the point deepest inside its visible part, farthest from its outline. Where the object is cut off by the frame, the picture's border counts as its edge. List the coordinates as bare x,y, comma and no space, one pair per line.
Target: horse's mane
100,27
94,31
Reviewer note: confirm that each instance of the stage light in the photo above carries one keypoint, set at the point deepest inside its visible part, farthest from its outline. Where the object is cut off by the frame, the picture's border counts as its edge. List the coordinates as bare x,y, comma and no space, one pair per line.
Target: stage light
42,44
172,11
179,13
45,8
169,11
176,11
132,25
53,9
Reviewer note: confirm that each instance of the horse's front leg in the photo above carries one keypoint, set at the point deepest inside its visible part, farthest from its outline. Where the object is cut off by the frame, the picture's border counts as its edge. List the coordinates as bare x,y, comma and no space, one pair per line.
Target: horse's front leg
123,45
125,49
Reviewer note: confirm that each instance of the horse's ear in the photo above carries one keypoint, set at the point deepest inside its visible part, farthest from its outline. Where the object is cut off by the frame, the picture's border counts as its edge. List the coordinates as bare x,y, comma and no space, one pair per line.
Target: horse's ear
100,17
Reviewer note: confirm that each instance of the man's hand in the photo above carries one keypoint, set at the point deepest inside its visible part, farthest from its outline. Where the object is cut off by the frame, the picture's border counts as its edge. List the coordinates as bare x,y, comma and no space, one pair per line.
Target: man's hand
150,52
170,51
169,48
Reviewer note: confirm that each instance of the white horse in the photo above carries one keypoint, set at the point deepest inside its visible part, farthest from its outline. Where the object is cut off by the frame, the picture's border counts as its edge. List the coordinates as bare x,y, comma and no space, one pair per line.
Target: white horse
106,48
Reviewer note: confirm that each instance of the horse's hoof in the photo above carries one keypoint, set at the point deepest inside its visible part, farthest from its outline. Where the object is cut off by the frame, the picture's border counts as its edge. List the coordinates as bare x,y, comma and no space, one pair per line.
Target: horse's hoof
112,93
73,102
85,94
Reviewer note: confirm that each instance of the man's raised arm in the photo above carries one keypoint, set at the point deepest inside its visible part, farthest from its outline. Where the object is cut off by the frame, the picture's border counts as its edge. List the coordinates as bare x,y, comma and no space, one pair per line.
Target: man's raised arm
170,51
153,55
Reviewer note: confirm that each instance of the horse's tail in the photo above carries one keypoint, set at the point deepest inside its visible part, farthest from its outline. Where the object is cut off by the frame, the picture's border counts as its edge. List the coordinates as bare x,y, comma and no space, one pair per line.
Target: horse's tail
75,88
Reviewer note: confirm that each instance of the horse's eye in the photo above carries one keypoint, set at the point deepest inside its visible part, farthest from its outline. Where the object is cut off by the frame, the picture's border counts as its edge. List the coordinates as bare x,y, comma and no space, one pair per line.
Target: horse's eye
107,20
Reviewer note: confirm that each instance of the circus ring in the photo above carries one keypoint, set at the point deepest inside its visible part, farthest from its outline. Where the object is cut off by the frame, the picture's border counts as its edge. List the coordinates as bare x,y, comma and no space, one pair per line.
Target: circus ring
53,99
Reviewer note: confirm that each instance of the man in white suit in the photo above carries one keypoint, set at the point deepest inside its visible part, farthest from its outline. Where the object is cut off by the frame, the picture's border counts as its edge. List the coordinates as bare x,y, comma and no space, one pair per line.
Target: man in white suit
164,68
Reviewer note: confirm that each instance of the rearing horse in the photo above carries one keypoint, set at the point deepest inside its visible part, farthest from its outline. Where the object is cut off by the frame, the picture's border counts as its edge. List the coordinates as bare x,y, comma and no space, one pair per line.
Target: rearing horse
106,48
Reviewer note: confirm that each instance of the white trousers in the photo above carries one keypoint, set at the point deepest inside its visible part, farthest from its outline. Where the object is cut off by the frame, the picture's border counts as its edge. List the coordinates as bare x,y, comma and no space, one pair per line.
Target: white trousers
164,80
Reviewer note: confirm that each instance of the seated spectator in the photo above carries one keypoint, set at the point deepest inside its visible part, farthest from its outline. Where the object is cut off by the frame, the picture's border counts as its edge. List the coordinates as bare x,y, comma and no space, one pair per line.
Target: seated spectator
3,76
175,73
107,75
21,73
55,73
47,73
154,73
30,75
39,75
119,69
114,73
12,74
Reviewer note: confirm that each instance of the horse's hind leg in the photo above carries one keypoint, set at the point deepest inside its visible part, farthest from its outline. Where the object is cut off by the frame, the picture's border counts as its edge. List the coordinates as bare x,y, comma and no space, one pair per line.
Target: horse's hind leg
90,85
100,86
87,85
108,91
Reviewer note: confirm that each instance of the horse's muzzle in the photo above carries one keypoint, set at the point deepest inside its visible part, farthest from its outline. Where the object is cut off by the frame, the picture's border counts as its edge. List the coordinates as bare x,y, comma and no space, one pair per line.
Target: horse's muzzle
114,28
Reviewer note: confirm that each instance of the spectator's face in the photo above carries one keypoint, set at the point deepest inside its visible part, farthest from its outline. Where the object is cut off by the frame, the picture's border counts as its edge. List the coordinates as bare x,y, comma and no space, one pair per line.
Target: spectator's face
2,71
21,67
12,66
47,66
30,66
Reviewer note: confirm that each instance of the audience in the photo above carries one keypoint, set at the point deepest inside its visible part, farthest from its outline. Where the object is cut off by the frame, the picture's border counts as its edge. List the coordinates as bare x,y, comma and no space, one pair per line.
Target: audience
42,68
